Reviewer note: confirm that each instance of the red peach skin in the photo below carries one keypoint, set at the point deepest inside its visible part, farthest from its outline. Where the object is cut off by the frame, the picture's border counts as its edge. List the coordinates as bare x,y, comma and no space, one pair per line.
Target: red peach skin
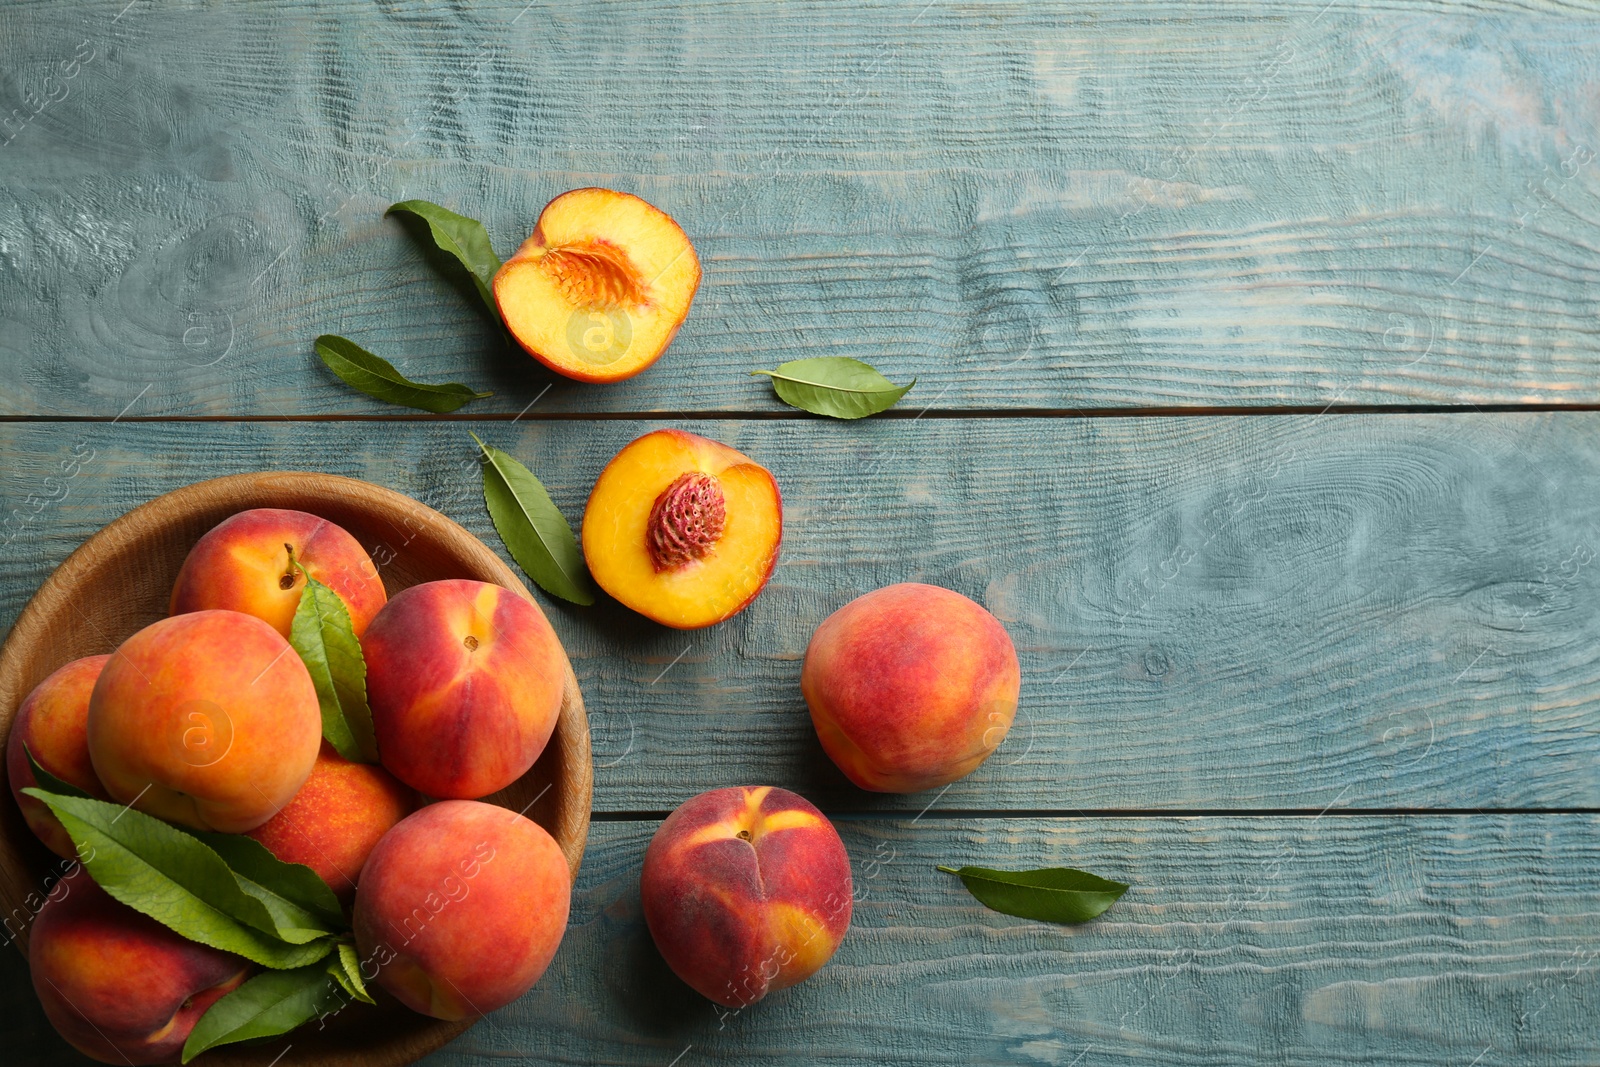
746,890
119,986
465,682
242,564
910,687
461,907
53,723
336,819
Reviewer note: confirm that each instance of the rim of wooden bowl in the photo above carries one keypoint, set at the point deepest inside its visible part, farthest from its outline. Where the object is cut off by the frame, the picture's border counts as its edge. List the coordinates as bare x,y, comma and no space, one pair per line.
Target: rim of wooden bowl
419,539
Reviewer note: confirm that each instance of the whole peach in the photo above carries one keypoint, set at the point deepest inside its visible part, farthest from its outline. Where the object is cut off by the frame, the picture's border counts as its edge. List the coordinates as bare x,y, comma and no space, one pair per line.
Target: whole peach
243,564
910,687
336,819
207,719
53,723
465,682
118,985
746,890
461,908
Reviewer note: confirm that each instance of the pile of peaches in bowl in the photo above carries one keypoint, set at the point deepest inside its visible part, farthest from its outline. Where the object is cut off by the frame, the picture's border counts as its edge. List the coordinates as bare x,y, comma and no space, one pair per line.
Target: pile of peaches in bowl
215,724
211,721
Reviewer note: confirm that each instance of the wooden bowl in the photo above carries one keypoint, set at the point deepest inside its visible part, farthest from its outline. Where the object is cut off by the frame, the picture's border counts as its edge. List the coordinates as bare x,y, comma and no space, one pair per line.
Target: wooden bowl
119,580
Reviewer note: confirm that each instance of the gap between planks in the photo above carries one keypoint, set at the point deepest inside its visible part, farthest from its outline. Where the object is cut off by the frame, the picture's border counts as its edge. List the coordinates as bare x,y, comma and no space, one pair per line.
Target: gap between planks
952,814
907,414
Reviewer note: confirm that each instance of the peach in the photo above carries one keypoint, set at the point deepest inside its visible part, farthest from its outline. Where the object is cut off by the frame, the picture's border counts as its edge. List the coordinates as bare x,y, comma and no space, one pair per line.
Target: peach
600,289
118,985
53,723
465,681
208,720
461,908
910,687
682,529
246,563
336,819
746,890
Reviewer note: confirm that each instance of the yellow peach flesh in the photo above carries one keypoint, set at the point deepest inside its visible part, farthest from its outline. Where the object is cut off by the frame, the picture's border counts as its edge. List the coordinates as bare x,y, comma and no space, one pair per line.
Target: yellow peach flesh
698,592
600,288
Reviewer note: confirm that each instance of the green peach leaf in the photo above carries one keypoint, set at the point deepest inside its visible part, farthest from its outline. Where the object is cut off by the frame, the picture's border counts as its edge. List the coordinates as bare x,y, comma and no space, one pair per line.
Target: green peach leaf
1052,894
379,379
265,1006
295,894
346,970
326,639
49,782
836,386
177,880
464,238
534,530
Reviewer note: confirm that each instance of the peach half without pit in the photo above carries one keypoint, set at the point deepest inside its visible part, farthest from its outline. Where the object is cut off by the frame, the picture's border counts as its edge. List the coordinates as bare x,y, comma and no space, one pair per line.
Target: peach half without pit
601,287
247,563
746,890
682,529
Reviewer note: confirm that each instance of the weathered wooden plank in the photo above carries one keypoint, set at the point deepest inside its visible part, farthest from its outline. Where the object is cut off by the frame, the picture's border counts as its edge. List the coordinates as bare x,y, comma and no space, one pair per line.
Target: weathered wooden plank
1340,940
1415,940
1037,205
1359,611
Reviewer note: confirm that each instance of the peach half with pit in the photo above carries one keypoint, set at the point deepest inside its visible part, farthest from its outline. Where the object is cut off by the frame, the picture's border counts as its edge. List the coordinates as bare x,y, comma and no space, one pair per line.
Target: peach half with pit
208,720
248,561
683,529
600,288
746,890
52,724
465,681
910,687
119,986
461,907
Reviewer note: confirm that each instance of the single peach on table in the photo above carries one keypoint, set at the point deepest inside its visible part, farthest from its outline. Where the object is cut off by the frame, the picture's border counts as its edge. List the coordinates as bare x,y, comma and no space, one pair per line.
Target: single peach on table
207,720
746,890
336,819
461,908
118,985
53,724
910,687
247,563
601,287
683,529
465,682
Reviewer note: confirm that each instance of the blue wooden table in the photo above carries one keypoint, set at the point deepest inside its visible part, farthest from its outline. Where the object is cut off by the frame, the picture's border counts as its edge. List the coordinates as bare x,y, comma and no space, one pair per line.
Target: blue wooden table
1257,359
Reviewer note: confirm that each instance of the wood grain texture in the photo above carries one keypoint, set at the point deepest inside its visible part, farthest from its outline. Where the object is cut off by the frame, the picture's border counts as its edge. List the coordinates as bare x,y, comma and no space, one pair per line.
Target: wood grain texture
119,581
1024,205
1422,940
1212,613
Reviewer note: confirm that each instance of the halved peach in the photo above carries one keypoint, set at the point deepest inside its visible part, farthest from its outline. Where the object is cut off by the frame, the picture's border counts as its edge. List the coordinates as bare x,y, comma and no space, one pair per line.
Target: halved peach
601,287
683,529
